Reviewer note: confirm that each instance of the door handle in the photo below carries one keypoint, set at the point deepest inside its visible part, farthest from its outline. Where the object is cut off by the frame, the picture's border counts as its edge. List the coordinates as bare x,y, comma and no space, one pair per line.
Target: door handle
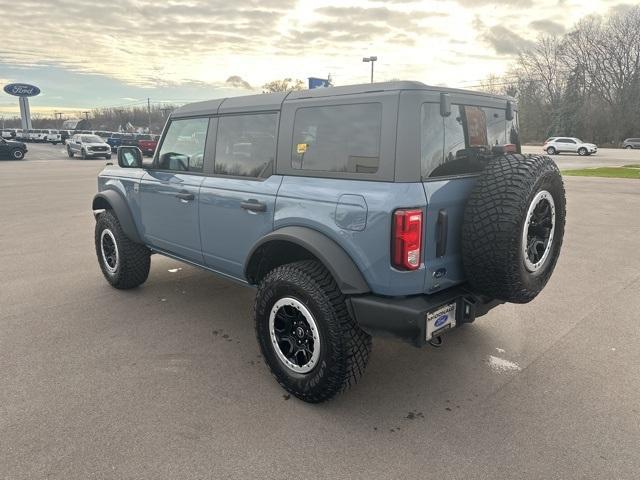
253,205
185,196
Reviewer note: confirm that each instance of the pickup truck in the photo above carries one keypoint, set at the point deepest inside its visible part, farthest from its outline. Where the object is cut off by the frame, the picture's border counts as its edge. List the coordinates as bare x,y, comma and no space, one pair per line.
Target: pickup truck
147,144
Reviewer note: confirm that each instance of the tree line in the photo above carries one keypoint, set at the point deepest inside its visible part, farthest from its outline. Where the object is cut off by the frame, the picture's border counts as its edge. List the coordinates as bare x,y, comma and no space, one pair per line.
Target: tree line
585,83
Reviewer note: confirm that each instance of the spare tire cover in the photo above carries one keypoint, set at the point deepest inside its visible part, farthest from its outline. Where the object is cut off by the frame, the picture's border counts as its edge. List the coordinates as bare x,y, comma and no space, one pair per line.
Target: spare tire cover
513,227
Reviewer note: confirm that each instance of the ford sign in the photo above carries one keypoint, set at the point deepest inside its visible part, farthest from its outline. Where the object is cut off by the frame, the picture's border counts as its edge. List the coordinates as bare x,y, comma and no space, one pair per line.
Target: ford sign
441,320
22,90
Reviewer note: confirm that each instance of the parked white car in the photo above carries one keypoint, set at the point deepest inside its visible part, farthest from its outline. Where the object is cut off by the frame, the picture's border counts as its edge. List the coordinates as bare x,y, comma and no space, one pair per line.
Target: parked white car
88,146
52,136
557,145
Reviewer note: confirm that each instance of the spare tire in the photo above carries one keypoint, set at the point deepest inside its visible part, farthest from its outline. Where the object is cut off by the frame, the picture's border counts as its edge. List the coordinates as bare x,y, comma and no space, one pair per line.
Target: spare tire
513,227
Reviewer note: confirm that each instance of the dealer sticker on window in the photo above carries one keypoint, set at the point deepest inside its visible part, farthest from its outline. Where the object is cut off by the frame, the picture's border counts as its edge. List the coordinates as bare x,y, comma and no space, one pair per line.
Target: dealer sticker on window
441,320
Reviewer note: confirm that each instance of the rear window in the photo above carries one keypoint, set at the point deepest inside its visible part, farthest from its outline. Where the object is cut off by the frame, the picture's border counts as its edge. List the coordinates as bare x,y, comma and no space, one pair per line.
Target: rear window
458,144
339,138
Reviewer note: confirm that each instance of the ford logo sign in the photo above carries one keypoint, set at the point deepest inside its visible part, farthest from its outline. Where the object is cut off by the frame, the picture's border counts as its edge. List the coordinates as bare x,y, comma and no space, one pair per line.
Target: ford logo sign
22,90
441,320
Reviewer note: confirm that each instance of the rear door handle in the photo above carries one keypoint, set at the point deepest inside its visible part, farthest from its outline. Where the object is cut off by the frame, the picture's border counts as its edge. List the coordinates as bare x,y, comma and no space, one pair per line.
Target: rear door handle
253,205
185,196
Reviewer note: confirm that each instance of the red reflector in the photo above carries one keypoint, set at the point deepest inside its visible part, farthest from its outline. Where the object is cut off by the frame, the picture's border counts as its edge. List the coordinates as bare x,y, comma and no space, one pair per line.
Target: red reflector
407,239
510,148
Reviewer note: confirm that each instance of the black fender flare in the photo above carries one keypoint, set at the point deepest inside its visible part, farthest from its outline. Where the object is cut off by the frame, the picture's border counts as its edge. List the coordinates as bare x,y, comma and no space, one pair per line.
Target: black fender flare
343,269
110,199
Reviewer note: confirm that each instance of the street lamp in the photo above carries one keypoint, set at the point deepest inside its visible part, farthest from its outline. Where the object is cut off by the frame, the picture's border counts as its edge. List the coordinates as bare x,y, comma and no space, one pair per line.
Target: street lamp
372,60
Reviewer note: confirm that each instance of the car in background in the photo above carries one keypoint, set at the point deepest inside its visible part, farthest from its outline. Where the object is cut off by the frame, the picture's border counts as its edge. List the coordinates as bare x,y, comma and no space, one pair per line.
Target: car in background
12,149
88,146
115,140
52,136
8,134
64,135
557,145
147,143
631,143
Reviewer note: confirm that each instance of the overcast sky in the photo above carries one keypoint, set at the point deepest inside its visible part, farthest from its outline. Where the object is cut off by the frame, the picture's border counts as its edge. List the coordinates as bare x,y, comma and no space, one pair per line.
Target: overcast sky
91,54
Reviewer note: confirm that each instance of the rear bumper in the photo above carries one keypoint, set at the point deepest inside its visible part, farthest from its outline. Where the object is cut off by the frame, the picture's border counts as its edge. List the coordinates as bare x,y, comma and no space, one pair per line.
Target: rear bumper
404,318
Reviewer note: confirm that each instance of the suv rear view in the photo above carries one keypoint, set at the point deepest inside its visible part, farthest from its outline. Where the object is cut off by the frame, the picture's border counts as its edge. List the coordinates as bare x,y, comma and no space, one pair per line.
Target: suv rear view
391,209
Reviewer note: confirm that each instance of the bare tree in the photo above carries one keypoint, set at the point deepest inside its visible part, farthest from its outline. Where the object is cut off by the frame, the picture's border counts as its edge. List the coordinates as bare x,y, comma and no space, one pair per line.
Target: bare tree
284,85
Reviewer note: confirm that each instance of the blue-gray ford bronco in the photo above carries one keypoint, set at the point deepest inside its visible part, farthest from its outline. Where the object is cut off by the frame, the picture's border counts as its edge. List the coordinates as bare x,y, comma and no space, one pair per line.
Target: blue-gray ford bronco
393,209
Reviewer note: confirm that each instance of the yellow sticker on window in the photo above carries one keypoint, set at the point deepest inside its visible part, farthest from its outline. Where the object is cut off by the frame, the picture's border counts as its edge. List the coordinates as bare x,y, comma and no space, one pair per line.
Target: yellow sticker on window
302,148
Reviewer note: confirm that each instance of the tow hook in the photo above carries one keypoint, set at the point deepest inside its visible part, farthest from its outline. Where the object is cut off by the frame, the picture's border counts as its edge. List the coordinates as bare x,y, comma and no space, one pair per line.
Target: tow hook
436,341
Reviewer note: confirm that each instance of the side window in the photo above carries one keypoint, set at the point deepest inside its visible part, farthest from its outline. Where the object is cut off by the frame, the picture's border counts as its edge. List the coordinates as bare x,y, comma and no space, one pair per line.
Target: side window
339,138
183,147
432,138
246,145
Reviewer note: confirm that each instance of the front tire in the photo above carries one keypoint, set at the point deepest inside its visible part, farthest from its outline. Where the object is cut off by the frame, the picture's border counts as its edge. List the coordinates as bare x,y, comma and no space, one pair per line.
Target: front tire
551,151
628,147
124,263
582,151
70,152
313,347
17,154
83,154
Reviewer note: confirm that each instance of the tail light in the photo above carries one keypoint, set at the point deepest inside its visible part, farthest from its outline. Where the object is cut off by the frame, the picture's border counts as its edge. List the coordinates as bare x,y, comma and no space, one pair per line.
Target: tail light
407,239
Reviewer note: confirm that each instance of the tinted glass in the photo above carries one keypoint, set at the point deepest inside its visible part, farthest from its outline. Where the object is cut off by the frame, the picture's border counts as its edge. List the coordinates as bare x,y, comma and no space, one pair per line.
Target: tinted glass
246,145
183,146
432,138
91,139
341,138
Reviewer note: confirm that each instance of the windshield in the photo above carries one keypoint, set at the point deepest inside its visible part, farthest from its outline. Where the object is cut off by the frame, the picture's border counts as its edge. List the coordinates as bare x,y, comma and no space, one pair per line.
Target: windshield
91,139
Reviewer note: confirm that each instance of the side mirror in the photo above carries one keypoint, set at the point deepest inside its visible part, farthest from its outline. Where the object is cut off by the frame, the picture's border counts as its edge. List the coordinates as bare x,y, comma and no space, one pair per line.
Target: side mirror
445,104
129,157
509,112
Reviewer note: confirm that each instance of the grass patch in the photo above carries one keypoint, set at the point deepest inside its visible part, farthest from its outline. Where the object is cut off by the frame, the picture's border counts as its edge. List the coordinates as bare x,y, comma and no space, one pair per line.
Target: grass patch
633,165
628,171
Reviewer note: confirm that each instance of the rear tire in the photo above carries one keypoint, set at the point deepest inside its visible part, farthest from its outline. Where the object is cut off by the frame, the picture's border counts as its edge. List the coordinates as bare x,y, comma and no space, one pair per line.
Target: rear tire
124,263
313,347
513,227
628,147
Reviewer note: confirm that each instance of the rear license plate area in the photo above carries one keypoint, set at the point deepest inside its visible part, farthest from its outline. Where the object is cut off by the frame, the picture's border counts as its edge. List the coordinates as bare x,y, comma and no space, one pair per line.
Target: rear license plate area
440,320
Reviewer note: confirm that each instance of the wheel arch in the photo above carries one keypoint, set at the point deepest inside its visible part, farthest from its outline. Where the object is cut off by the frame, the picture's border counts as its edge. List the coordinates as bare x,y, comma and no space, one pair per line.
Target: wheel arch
291,244
112,200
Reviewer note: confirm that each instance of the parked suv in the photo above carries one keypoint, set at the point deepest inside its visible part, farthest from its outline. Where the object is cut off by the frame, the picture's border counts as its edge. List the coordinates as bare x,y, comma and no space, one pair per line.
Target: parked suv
392,209
631,143
88,146
12,149
557,145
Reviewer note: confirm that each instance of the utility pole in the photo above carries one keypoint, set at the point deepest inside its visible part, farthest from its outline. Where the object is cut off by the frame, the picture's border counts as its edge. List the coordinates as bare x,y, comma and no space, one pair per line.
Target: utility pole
2,122
86,114
164,111
372,60
148,115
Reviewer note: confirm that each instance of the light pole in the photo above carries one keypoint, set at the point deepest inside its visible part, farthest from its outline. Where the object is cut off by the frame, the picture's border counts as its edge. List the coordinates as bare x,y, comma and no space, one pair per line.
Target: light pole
372,60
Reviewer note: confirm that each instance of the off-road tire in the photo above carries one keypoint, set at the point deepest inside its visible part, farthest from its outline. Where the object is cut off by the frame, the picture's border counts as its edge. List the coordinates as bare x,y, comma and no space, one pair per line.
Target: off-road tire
344,347
552,151
494,218
17,154
70,152
134,259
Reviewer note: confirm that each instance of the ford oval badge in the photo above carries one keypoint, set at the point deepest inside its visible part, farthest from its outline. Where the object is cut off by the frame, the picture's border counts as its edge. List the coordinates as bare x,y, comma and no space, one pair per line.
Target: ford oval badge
22,90
441,320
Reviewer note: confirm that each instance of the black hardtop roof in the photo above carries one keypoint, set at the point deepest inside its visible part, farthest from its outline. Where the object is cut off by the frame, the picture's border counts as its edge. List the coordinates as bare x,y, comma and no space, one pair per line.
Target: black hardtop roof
273,101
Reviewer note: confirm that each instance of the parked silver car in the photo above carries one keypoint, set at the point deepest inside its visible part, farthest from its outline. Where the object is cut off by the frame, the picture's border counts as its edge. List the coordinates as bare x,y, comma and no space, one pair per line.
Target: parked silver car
88,146
556,145
631,143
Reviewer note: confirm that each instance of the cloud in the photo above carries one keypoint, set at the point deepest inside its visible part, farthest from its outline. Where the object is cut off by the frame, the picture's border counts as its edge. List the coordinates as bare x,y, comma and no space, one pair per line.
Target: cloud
236,81
506,3
503,40
547,26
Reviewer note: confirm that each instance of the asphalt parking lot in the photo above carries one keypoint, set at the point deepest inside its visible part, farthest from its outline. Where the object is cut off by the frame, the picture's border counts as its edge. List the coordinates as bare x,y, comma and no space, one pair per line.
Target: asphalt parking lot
166,381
